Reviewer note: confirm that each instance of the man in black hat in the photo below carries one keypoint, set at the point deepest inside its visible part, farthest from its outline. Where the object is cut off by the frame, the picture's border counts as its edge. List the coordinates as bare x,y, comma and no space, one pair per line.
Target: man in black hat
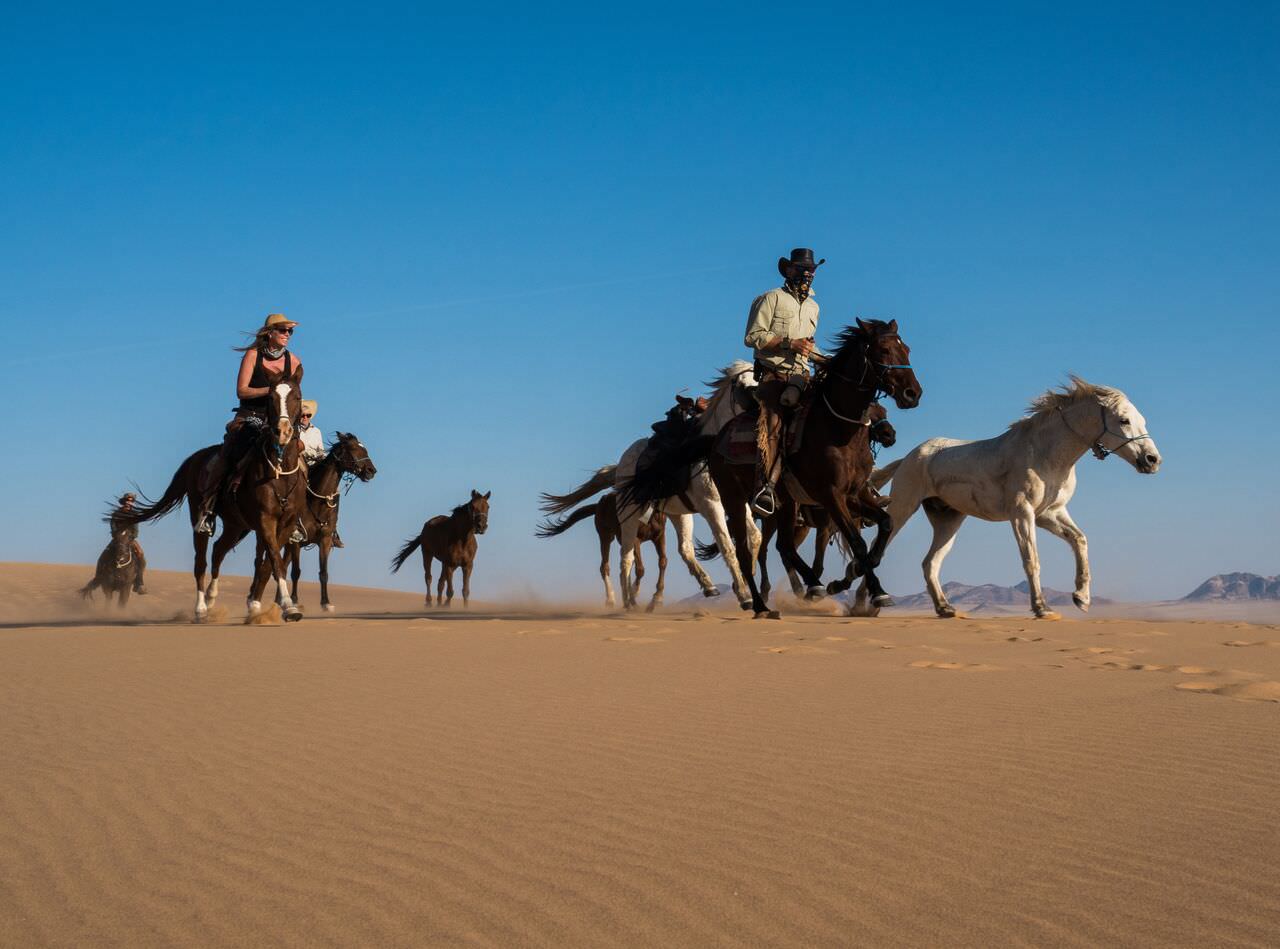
781,330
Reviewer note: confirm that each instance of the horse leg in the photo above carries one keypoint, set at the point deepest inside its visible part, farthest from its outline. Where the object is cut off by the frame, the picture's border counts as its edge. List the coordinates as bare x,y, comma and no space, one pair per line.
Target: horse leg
466,582
326,545
786,544
1023,523
123,594
295,570
261,572
861,565
767,528
797,585
426,571
276,564
628,528
736,516
448,573
711,506
639,570
606,541
445,572
221,547
946,523
659,542
1059,523
684,544
201,544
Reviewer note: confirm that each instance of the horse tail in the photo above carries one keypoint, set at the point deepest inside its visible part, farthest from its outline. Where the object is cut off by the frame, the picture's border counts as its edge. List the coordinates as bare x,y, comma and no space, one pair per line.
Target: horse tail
551,528
559,503
409,547
169,501
706,552
666,473
882,476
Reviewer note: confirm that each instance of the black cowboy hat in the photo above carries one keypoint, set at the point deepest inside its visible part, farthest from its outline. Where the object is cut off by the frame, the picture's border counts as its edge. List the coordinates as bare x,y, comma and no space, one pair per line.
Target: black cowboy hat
800,257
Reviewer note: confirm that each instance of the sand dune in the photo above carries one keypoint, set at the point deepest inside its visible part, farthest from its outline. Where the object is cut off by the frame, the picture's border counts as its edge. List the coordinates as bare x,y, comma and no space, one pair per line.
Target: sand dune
385,777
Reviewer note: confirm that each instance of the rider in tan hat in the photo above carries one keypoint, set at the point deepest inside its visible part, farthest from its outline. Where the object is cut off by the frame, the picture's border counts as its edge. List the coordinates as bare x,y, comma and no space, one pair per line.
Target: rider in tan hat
266,361
312,438
781,330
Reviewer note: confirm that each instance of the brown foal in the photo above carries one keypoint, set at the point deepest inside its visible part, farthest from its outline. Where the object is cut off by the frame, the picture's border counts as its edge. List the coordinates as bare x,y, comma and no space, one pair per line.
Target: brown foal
451,539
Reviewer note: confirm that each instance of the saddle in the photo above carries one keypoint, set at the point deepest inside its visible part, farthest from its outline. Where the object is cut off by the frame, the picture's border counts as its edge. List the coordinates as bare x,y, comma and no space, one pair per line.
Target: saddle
737,440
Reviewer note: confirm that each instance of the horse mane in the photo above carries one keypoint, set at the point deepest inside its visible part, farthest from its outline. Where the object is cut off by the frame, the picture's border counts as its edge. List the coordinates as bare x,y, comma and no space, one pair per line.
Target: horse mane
1076,390
852,336
722,385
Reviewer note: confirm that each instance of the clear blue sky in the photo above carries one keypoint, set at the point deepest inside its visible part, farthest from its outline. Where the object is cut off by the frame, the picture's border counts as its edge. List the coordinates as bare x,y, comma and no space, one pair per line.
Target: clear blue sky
511,236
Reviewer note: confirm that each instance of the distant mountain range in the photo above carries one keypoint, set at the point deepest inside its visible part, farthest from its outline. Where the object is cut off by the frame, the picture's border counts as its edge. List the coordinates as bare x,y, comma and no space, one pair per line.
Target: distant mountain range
1237,586
989,596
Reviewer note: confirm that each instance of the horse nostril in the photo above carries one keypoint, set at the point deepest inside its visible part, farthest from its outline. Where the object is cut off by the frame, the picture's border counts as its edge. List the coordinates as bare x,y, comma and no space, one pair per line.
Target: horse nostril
1153,459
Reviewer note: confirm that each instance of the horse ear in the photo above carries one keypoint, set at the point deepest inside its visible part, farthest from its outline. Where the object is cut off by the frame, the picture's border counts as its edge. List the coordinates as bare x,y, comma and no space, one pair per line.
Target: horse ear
474,494
893,326
863,324
486,495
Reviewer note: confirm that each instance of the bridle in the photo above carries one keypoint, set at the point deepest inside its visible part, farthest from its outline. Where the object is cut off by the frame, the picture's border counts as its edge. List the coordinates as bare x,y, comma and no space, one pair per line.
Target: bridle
878,386
1099,450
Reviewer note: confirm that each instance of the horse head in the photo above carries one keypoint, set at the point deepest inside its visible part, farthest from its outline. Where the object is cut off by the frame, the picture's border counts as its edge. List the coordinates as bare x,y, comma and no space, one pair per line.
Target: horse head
286,407
1124,433
352,457
479,508
889,361
881,429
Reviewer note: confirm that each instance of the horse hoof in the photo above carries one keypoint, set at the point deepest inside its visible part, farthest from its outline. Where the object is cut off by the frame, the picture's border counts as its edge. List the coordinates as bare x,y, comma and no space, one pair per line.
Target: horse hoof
292,615
947,612
201,618
881,601
817,592
1081,602
1049,615
329,608
711,592
746,605
767,614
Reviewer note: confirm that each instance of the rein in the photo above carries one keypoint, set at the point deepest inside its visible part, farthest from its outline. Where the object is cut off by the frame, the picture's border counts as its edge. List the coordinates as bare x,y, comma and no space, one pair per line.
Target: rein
279,469
1099,450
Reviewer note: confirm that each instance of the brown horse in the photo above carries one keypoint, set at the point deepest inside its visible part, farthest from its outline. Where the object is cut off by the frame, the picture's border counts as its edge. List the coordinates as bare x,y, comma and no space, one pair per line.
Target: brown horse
268,501
834,461
609,530
118,567
881,432
451,539
319,521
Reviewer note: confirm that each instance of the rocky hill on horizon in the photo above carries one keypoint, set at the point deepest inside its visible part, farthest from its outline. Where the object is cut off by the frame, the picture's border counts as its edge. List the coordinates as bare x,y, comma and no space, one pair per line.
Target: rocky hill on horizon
1237,586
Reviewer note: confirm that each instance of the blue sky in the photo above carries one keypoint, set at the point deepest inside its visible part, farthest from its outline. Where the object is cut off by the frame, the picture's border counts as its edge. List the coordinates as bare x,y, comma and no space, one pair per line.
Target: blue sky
510,236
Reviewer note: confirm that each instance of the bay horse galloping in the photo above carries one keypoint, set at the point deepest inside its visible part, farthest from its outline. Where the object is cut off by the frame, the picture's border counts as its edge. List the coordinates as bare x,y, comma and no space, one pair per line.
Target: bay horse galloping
118,568
268,501
319,521
451,539
833,462
609,530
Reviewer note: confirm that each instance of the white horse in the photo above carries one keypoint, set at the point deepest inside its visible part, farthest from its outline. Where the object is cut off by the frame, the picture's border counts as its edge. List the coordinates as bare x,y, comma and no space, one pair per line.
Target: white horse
699,497
1025,476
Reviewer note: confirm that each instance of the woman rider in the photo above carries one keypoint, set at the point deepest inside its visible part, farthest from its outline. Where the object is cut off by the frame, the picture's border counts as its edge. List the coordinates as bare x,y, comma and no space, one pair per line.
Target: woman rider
266,361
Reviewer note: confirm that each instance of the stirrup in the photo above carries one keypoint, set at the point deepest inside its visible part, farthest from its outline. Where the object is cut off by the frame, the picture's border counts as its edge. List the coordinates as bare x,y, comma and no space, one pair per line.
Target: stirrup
205,524
764,503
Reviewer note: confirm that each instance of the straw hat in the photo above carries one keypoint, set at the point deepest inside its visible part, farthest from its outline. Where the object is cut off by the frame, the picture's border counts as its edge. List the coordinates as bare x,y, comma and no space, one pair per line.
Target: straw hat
278,319
309,407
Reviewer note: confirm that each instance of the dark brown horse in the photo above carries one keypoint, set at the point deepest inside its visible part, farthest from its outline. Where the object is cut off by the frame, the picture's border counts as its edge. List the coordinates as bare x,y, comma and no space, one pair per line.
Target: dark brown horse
609,530
451,539
268,500
319,521
881,432
834,461
118,567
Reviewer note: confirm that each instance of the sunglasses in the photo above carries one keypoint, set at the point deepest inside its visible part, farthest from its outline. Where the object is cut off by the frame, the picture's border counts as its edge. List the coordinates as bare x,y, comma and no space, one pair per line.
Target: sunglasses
286,330
306,415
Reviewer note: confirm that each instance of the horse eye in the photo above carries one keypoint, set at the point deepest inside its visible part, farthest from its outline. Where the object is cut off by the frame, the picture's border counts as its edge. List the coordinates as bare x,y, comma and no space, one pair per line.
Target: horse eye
1124,421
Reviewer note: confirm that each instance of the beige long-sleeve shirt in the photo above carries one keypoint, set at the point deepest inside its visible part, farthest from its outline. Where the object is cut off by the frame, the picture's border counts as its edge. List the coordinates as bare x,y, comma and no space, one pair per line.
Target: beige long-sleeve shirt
778,313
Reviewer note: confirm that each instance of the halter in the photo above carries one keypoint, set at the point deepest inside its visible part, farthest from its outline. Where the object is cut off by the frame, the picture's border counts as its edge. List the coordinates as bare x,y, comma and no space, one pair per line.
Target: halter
278,470
867,362
1099,450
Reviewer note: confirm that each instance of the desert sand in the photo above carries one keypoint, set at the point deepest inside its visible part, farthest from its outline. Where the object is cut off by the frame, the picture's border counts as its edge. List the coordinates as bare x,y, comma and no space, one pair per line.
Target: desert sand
567,777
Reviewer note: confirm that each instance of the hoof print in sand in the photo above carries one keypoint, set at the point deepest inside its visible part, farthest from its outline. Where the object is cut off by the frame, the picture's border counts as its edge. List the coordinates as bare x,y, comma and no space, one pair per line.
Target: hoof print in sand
1248,691
954,666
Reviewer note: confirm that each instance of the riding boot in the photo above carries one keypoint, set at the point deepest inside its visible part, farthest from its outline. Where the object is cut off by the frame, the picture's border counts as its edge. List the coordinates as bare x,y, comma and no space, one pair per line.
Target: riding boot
208,487
768,437
337,541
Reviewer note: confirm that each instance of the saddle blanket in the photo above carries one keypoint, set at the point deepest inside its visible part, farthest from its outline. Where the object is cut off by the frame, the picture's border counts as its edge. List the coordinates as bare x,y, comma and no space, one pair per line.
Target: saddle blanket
737,442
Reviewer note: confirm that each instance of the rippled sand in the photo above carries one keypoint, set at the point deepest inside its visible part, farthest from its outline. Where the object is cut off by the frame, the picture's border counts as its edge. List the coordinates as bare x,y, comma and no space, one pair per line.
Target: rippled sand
575,779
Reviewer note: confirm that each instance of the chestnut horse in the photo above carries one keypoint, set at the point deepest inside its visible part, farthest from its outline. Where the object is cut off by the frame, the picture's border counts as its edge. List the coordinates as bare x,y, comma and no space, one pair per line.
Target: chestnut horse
834,461
451,539
609,530
319,521
269,500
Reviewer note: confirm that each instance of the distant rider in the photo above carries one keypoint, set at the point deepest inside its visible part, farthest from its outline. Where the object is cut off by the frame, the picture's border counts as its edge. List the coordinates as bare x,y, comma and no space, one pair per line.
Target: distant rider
313,450
124,506
266,361
781,330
